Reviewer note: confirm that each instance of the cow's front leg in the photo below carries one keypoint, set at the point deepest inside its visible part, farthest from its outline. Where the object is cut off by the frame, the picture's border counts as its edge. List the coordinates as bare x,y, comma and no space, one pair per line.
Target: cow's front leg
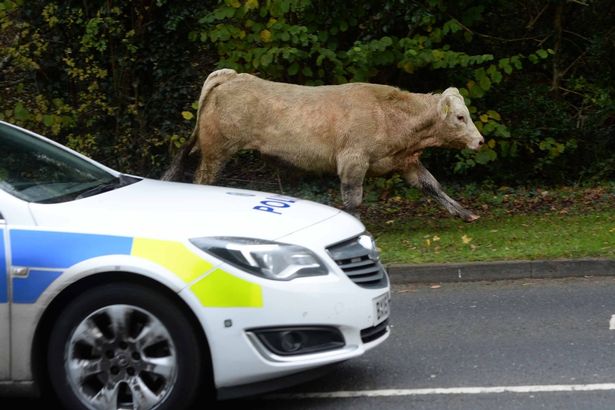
351,171
417,175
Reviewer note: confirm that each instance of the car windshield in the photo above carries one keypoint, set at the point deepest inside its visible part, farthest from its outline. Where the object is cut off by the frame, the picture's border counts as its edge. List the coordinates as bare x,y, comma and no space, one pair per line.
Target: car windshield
34,170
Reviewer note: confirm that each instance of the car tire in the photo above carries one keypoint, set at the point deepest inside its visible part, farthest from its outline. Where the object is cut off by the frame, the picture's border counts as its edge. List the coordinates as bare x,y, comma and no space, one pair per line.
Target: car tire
123,345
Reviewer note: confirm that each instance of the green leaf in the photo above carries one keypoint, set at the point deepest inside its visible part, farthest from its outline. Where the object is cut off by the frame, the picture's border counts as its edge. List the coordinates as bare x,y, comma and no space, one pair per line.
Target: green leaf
494,74
485,155
187,115
485,83
251,4
451,26
494,114
21,112
220,13
476,91
516,61
504,64
48,120
502,131
293,69
266,59
489,127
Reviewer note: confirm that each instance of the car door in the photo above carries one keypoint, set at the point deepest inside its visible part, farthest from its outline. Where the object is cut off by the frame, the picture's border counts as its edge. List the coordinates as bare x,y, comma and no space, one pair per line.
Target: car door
13,212
4,305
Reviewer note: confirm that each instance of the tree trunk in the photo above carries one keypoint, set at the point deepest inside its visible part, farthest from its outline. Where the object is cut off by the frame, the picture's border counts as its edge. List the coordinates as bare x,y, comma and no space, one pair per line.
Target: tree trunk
557,26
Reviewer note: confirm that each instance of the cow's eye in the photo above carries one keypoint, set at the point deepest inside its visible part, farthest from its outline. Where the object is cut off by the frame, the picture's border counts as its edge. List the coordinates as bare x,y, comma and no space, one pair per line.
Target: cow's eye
461,118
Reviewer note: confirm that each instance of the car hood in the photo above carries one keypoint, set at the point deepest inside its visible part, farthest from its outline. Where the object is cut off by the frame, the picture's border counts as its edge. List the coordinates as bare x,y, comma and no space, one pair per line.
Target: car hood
155,208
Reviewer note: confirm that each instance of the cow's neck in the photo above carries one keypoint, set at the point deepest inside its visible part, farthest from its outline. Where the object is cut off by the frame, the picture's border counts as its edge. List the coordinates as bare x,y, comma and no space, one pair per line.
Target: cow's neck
422,126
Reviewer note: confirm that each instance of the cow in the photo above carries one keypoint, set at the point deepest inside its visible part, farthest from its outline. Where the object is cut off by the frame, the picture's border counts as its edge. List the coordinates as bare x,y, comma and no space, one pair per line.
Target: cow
353,130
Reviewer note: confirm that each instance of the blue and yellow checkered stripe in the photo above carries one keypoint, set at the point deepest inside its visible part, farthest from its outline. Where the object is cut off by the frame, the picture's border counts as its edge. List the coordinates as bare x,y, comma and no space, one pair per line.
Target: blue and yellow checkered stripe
47,254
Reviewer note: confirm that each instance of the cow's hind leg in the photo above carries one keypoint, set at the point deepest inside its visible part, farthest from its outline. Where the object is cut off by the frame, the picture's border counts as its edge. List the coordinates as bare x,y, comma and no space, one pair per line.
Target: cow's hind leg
417,175
213,158
208,169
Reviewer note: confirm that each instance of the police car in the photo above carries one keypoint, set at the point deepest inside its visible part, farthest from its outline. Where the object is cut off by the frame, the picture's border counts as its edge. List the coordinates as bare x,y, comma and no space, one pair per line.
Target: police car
118,291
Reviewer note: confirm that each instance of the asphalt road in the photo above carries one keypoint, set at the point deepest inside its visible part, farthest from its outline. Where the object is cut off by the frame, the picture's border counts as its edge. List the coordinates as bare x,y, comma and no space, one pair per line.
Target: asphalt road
537,336
523,344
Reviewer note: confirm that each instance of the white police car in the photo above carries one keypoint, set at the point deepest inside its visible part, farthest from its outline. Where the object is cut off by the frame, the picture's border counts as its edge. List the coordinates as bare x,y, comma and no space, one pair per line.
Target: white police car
124,292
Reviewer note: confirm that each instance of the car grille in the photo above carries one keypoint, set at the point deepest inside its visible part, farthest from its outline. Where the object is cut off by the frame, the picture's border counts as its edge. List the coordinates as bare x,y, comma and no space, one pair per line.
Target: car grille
375,332
362,268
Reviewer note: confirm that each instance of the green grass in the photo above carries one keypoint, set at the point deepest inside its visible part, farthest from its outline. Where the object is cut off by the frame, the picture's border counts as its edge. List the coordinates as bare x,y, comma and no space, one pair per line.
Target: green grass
515,224
497,237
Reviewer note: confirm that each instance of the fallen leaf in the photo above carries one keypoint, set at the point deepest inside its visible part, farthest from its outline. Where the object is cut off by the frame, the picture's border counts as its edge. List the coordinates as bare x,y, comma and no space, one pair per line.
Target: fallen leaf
466,239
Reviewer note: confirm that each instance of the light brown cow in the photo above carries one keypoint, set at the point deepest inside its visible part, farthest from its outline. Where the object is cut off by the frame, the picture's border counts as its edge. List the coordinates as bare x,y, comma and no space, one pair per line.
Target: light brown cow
353,129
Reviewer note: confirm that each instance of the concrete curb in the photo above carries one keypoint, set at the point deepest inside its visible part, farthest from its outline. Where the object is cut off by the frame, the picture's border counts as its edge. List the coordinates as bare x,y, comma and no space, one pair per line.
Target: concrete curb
477,271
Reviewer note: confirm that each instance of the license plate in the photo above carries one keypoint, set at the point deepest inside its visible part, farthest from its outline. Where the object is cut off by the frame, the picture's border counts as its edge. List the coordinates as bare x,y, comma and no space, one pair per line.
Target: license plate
381,308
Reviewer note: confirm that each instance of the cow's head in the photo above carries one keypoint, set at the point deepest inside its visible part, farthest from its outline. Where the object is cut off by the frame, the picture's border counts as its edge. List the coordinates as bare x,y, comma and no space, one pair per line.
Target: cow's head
458,129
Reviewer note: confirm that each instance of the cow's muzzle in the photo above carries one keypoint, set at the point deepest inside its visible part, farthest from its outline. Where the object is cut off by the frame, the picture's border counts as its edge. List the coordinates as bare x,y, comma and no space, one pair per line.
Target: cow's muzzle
476,143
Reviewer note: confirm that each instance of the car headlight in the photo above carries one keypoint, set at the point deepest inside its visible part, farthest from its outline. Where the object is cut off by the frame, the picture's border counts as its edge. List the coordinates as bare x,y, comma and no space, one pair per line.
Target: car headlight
271,260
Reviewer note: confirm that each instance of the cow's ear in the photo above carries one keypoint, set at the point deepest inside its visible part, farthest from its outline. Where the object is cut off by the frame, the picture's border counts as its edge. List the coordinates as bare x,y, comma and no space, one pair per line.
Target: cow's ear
451,91
444,105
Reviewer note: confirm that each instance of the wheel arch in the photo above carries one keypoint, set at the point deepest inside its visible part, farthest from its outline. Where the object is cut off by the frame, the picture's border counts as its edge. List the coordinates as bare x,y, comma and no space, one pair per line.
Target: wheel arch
52,312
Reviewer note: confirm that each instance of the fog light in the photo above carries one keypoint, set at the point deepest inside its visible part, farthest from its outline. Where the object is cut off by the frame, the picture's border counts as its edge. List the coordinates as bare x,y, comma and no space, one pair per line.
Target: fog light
289,341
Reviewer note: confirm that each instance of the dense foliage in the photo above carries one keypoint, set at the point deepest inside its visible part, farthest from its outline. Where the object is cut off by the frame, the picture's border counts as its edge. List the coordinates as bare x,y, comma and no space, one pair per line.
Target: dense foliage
118,80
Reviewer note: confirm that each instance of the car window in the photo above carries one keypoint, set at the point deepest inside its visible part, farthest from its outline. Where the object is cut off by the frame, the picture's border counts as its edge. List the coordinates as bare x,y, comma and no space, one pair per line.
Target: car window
36,171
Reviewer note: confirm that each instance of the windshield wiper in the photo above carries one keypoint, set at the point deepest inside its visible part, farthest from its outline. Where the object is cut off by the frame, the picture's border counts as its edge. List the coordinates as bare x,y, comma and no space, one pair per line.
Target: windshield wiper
123,180
98,189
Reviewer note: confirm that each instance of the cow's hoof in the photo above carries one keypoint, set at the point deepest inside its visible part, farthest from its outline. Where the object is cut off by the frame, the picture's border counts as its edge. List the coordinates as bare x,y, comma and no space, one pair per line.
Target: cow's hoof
471,218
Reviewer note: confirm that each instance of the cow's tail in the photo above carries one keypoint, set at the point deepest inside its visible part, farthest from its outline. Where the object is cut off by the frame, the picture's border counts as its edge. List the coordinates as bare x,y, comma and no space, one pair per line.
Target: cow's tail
176,169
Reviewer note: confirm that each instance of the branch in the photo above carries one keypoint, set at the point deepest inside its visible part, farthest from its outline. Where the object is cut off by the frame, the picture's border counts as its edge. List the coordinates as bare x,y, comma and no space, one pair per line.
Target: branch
581,2
530,25
557,28
564,71
3,62
506,40
576,34
572,91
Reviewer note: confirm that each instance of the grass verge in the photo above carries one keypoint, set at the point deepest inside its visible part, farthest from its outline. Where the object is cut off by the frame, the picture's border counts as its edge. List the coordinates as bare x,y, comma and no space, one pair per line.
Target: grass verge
514,225
517,223
498,237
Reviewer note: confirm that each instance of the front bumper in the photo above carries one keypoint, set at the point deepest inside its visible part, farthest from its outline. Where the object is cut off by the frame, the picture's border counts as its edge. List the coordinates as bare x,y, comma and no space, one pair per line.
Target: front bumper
239,358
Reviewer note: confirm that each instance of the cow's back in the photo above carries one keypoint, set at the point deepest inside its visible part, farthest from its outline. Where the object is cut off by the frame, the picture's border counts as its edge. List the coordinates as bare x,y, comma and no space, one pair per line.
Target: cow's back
304,125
